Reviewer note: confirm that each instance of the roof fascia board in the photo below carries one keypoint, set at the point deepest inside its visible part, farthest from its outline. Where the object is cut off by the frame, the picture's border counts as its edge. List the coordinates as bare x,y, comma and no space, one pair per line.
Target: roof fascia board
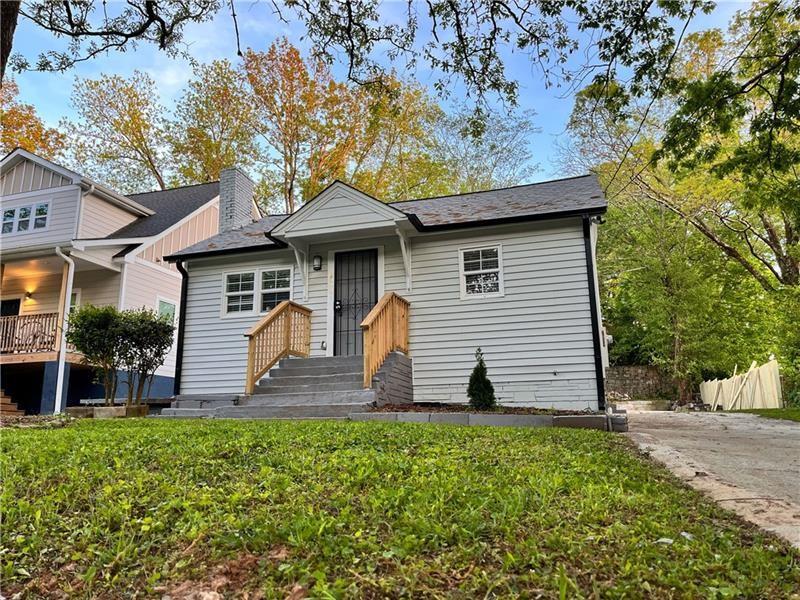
221,252
113,197
19,153
504,221
94,242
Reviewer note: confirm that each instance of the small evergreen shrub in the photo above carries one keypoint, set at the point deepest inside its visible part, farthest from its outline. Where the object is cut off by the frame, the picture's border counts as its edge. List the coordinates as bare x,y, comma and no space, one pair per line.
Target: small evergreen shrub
480,390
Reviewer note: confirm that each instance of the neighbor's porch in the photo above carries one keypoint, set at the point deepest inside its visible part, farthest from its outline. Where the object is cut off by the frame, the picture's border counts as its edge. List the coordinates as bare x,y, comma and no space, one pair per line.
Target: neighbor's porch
36,295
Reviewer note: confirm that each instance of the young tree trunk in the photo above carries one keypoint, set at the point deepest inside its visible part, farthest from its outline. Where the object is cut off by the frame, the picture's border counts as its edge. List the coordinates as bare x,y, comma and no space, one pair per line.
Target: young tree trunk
107,386
140,383
129,400
114,380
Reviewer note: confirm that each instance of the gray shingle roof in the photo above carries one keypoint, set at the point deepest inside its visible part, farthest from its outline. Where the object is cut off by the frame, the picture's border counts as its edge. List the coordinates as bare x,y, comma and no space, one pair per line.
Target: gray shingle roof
547,199
170,206
244,238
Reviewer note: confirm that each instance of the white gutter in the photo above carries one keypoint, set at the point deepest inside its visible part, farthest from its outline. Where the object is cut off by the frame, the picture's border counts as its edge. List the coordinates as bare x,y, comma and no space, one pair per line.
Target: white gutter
62,343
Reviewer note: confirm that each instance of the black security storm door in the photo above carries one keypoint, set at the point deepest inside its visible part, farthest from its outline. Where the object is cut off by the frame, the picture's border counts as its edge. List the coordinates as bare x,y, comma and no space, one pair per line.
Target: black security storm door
355,292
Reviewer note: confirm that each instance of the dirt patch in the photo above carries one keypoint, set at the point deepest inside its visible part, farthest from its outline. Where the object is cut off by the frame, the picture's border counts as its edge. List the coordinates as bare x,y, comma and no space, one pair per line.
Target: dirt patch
36,421
237,576
429,407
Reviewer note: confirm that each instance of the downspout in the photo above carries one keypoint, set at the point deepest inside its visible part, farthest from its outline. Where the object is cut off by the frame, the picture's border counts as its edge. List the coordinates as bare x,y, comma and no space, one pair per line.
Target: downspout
176,388
62,343
593,295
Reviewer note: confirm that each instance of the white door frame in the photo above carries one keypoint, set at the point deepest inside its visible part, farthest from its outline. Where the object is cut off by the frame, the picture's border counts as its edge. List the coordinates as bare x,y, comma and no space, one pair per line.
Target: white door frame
331,279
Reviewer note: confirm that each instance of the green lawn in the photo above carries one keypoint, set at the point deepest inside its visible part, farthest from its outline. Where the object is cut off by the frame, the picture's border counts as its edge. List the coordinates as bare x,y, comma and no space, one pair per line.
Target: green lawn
363,510
789,414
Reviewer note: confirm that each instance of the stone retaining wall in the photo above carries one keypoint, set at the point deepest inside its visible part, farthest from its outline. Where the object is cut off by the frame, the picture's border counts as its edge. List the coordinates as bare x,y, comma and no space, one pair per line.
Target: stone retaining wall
639,382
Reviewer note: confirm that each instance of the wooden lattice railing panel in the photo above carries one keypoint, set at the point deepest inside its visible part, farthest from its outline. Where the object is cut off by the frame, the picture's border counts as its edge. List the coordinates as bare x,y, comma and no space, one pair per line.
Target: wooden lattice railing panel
285,331
385,329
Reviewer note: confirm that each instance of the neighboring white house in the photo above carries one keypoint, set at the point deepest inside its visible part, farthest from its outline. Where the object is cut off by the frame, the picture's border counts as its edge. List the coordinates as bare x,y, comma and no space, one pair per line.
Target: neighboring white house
67,241
511,271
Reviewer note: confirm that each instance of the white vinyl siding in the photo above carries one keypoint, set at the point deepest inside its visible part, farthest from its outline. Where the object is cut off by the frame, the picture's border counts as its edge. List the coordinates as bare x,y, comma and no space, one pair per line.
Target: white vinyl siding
100,218
98,287
215,349
145,286
537,337
62,208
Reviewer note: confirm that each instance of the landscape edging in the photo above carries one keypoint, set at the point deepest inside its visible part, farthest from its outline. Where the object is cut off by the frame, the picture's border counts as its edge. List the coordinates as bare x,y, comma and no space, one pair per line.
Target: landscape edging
601,421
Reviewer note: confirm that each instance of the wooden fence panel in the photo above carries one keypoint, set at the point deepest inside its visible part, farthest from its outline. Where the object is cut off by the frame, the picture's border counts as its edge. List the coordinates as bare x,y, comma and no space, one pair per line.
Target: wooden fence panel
759,387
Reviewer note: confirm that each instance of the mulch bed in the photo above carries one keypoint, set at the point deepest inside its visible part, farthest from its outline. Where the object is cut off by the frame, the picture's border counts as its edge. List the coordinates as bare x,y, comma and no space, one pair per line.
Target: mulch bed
35,421
461,408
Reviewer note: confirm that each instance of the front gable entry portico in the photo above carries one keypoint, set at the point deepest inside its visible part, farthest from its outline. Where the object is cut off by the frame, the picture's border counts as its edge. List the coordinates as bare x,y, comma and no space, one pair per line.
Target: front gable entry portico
339,212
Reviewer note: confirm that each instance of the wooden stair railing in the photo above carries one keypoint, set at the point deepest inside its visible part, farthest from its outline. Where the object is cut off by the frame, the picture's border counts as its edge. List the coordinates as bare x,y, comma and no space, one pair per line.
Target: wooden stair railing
385,329
285,331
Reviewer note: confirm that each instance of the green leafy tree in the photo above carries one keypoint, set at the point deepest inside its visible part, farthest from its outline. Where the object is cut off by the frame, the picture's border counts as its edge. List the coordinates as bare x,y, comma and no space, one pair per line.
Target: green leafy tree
144,344
456,39
120,136
480,390
213,127
97,333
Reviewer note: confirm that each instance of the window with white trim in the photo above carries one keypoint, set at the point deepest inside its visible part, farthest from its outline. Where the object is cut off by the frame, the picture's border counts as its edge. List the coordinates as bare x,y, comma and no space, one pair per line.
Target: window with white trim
25,218
276,286
239,292
481,272
166,310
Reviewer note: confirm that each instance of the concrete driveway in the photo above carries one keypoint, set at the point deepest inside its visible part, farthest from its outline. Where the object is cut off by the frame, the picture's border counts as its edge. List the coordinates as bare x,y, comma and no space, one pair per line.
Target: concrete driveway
748,464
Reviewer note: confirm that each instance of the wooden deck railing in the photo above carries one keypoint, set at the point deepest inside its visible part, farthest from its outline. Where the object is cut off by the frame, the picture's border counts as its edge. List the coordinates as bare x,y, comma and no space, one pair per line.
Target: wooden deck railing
385,330
285,331
28,333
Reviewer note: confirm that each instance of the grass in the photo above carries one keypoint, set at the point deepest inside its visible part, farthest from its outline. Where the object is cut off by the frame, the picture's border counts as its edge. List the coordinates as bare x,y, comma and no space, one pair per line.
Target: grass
789,414
336,509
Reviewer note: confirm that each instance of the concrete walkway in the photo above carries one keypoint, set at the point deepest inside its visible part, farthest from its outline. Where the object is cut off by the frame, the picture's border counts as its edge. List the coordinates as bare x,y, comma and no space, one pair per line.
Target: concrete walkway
748,464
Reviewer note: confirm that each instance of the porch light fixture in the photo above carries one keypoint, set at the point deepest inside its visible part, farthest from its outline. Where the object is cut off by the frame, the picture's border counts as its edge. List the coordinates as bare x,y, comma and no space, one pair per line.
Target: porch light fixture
316,262
28,295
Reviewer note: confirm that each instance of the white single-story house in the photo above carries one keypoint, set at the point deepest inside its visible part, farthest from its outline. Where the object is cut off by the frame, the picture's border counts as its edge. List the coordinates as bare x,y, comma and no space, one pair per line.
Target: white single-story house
393,299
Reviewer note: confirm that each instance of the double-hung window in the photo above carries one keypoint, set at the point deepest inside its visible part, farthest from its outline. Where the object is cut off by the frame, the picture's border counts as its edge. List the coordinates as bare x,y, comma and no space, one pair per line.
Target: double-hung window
276,286
256,291
239,292
25,218
481,272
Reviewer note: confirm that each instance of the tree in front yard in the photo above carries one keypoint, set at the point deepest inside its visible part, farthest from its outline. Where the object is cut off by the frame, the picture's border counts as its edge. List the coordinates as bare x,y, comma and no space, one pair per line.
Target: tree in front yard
145,342
96,332
480,390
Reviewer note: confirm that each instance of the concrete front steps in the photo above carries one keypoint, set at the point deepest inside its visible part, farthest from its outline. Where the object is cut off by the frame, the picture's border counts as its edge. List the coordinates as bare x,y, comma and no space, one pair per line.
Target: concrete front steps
324,387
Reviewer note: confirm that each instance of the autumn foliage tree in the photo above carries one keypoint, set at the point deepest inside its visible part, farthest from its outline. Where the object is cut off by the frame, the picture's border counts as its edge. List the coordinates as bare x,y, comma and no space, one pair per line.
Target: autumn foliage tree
120,136
213,127
23,128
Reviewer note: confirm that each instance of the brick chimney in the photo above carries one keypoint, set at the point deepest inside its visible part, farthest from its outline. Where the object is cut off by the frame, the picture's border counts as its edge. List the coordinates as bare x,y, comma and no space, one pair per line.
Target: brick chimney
235,199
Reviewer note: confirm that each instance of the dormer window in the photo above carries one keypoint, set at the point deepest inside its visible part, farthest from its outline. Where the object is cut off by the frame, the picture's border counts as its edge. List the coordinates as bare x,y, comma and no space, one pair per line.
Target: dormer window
25,218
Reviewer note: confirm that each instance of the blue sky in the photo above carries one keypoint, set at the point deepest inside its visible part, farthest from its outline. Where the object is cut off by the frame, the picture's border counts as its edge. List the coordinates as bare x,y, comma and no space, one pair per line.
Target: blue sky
50,92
